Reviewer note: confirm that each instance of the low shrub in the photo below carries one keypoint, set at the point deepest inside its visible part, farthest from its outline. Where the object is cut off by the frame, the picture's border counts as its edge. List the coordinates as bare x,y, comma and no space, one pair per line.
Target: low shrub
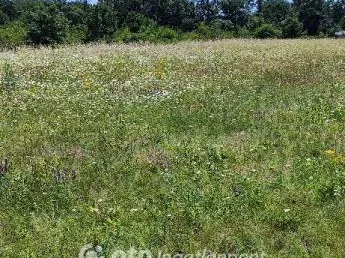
267,31
12,35
292,27
148,34
76,34
123,35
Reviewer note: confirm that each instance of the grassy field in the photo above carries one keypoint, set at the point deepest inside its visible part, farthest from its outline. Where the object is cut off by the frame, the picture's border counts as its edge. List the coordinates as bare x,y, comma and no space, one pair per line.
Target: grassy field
234,146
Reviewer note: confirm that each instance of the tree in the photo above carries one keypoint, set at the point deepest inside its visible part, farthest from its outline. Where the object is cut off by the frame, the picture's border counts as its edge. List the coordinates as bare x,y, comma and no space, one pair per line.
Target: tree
7,10
121,8
259,5
46,25
275,11
237,11
175,13
76,13
102,22
267,31
3,18
292,27
137,21
337,12
311,13
207,10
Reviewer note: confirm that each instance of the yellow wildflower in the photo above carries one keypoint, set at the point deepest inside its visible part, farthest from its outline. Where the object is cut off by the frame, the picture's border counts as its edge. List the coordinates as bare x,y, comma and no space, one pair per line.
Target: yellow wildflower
331,153
336,157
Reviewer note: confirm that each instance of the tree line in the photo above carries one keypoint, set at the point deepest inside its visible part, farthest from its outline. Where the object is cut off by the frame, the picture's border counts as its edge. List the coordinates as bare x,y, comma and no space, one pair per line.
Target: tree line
50,22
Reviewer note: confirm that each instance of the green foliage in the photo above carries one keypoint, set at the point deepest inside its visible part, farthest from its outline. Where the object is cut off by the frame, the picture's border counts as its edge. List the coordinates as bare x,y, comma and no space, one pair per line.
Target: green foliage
311,13
12,35
267,31
275,11
213,30
336,12
76,35
137,22
123,35
342,23
3,18
204,30
177,14
237,11
46,25
166,35
292,27
56,22
191,36
222,25
255,22
102,22
207,10
77,13
148,34
243,33
8,13
188,24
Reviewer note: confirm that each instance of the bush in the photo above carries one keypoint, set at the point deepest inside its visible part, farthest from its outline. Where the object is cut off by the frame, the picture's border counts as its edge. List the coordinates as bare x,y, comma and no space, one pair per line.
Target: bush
189,24
292,27
215,29
148,34
3,18
76,34
102,23
123,35
222,25
255,22
267,31
208,31
191,36
243,33
137,22
165,35
141,28
12,35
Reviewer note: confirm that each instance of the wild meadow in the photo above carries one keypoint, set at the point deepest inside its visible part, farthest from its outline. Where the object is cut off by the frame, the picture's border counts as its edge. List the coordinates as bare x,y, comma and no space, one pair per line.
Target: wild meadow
231,146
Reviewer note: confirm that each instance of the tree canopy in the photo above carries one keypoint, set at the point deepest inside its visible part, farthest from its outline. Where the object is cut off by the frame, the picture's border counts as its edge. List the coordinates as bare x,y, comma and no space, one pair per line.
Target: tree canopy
47,22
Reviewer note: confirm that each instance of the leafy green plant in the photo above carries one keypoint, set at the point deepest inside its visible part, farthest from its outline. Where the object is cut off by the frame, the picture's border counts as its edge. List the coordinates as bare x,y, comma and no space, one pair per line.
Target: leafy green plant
123,35
12,35
267,31
292,27
76,35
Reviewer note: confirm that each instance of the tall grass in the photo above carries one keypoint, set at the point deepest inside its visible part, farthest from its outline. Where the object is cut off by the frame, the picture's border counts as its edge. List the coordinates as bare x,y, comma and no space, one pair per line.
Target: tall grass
234,146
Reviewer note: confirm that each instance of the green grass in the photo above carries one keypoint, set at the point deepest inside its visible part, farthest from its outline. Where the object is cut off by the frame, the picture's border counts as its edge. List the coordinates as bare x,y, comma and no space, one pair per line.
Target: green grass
231,146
